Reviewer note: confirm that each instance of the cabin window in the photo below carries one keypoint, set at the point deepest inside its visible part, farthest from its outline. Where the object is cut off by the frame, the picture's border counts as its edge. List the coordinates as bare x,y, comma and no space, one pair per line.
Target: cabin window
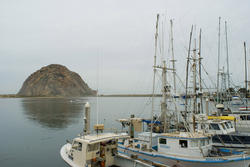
230,124
214,127
162,141
183,143
243,117
248,117
92,147
227,125
223,126
77,146
194,143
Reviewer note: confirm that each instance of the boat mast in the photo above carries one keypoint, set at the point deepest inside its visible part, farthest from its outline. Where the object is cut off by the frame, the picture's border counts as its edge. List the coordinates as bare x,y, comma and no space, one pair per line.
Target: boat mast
173,66
164,96
173,60
200,81
154,70
228,75
194,84
187,67
218,72
245,53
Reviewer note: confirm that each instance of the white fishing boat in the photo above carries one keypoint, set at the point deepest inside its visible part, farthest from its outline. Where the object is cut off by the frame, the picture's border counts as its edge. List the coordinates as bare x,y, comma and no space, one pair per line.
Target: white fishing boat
242,121
184,149
236,100
90,150
96,149
224,131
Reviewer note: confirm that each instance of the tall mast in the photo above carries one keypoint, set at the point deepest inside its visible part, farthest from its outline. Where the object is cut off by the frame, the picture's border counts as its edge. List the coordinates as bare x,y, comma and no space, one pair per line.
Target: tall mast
228,75
173,60
164,95
187,67
245,53
174,70
218,72
200,81
194,83
154,69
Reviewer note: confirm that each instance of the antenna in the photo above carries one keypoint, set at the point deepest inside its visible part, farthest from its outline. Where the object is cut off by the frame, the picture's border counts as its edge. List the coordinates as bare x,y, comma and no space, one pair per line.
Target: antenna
98,127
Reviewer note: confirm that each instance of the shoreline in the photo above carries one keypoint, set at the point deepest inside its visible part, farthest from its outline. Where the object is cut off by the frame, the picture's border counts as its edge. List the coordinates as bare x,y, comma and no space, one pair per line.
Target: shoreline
102,95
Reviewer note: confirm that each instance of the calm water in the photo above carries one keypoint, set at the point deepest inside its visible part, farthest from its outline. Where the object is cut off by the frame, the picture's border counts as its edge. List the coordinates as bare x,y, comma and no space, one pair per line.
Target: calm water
34,129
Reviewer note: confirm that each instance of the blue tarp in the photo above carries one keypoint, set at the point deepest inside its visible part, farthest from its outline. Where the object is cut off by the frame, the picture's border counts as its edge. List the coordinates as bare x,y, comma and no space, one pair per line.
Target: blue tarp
149,121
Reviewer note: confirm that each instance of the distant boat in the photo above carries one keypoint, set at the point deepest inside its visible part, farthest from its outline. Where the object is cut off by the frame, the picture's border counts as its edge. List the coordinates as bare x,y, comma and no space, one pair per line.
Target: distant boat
245,108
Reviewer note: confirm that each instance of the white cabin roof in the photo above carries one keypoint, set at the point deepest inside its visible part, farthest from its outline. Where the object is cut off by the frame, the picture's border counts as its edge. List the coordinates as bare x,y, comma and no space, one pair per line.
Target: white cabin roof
185,135
147,134
101,137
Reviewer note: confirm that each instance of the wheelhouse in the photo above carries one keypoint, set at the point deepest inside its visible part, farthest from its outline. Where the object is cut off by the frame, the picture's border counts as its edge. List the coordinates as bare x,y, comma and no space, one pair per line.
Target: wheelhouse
221,126
183,142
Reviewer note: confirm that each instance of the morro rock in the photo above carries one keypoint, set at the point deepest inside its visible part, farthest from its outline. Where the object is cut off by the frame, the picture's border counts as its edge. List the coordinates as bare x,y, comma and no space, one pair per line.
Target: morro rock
55,80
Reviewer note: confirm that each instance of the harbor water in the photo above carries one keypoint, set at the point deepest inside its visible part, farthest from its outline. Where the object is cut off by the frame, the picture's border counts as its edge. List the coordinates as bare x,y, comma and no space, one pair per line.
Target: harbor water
34,129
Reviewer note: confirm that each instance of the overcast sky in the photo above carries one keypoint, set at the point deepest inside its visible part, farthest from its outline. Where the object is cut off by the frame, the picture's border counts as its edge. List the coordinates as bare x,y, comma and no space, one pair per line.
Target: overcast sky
112,41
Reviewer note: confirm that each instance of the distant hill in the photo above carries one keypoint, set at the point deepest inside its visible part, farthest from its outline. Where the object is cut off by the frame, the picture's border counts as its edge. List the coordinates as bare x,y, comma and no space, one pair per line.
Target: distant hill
55,80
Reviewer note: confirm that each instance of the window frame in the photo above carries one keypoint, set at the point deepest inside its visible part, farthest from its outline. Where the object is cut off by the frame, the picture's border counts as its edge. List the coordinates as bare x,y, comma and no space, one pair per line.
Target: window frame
162,139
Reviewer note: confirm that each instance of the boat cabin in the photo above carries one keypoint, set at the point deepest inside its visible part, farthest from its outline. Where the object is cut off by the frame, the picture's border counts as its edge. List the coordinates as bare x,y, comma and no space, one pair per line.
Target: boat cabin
220,126
142,142
242,121
184,143
215,124
94,150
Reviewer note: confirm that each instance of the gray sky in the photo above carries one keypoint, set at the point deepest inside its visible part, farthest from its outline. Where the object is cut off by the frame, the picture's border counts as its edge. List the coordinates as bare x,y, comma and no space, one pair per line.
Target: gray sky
113,40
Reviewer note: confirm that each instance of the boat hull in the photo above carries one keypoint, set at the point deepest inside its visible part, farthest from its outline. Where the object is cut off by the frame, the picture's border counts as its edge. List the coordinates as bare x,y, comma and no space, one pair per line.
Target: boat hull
174,161
120,160
65,157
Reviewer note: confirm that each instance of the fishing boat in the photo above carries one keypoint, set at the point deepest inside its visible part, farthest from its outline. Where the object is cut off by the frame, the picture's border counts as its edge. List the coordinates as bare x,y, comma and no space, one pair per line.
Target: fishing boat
236,100
183,149
96,149
244,108
224,132
166,147
242,121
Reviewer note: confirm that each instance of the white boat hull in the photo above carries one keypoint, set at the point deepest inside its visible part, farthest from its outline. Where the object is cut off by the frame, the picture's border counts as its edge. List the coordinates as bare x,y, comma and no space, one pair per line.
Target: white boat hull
64,155
120,160
175,161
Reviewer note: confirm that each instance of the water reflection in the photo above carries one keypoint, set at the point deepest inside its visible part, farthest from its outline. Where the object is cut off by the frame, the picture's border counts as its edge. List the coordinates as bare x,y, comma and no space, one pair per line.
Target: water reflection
53,112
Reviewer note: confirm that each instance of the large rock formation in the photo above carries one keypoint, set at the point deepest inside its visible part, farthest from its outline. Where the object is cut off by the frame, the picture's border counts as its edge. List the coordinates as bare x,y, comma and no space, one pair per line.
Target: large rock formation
55,80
